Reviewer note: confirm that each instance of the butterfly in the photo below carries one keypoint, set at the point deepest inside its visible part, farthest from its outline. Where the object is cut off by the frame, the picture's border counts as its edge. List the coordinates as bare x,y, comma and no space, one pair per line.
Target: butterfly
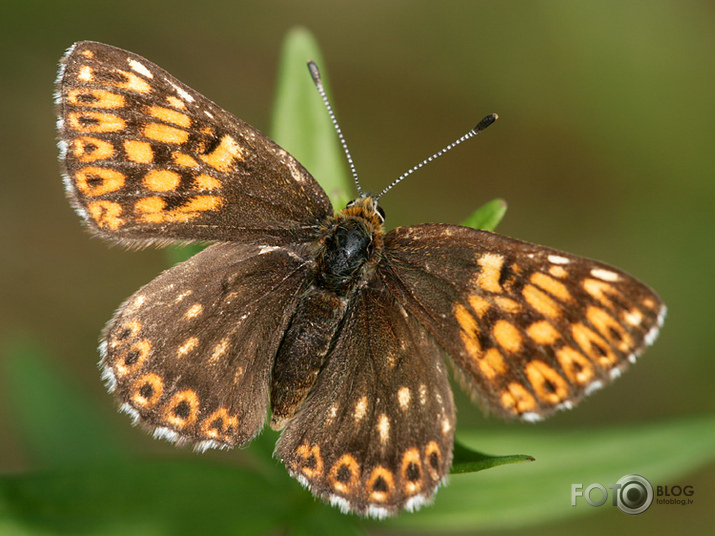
325,319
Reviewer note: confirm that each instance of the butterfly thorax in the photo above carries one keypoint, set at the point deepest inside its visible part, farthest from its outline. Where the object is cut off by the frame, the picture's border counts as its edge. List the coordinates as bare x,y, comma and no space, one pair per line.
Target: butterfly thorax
348,251
351,245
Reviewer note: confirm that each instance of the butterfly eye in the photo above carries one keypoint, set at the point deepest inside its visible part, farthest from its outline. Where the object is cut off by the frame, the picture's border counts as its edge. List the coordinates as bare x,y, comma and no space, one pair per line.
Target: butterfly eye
381,213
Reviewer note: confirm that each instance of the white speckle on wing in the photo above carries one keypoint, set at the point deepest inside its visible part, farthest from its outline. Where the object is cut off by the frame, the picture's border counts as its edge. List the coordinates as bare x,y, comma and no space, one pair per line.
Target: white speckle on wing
605,275
558,259
139,68
182,92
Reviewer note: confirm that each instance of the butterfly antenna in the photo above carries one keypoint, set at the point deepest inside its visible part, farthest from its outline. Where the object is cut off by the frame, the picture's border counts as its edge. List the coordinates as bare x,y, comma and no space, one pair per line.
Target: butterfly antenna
484,123
315,75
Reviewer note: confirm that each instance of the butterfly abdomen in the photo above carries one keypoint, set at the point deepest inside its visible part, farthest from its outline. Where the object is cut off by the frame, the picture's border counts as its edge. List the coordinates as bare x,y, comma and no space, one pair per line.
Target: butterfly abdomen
345,256
302,351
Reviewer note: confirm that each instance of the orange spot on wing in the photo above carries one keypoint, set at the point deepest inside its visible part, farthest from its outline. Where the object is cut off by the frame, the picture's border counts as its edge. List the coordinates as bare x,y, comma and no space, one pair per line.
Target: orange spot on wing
206,182
576,366
344,475
492,364
133,358
593,345
465,319
89,149
382,477
162,180
488,278
518,399
600,291
479,304
153,209
147,390
175,102
219,349
187,346
95,98
106,214
469,330
541,301
551,285
139,151
411,472
169,116
543,332
219,424
649,302
127,80
223,156
95,181
610,328
507,305
547,382
558,271
183,409
165,133
507,336
433,460
183,160
194,311
95,122
311,462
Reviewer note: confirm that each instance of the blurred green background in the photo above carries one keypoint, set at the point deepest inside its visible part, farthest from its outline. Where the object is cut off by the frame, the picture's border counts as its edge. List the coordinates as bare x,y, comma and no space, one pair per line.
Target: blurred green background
605,147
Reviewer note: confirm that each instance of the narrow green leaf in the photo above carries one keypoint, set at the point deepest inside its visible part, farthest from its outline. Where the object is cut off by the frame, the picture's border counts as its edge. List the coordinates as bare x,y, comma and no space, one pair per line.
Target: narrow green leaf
470,461
301,124
487,216
524,495
58,424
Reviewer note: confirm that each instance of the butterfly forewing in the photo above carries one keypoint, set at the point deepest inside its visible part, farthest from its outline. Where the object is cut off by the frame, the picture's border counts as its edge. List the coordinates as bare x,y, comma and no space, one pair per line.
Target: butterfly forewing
190,354
148,159
530,328
375,434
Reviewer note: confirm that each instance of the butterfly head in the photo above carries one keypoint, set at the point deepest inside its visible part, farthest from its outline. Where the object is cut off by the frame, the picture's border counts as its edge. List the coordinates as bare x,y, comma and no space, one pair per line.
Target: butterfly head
365,207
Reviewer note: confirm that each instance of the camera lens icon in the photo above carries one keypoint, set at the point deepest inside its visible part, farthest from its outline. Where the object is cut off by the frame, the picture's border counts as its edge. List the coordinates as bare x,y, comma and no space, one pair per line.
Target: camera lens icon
634,494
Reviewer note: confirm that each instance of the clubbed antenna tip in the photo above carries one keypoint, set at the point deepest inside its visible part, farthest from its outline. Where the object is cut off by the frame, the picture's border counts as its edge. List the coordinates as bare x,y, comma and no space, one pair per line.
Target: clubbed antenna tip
315,73
484,123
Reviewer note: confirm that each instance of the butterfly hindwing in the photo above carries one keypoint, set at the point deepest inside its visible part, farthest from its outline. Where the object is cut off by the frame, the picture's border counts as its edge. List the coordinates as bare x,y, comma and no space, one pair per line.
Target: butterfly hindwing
148,159
530,329
375,434
190,354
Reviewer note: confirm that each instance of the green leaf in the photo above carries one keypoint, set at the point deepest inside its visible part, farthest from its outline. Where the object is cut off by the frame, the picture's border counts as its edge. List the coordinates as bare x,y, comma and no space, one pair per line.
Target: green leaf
166,497
301,124
470,461
58,424
524,495
487,216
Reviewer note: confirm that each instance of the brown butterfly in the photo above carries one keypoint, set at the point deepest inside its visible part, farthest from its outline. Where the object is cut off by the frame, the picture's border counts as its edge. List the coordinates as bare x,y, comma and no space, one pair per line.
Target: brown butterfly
336,325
